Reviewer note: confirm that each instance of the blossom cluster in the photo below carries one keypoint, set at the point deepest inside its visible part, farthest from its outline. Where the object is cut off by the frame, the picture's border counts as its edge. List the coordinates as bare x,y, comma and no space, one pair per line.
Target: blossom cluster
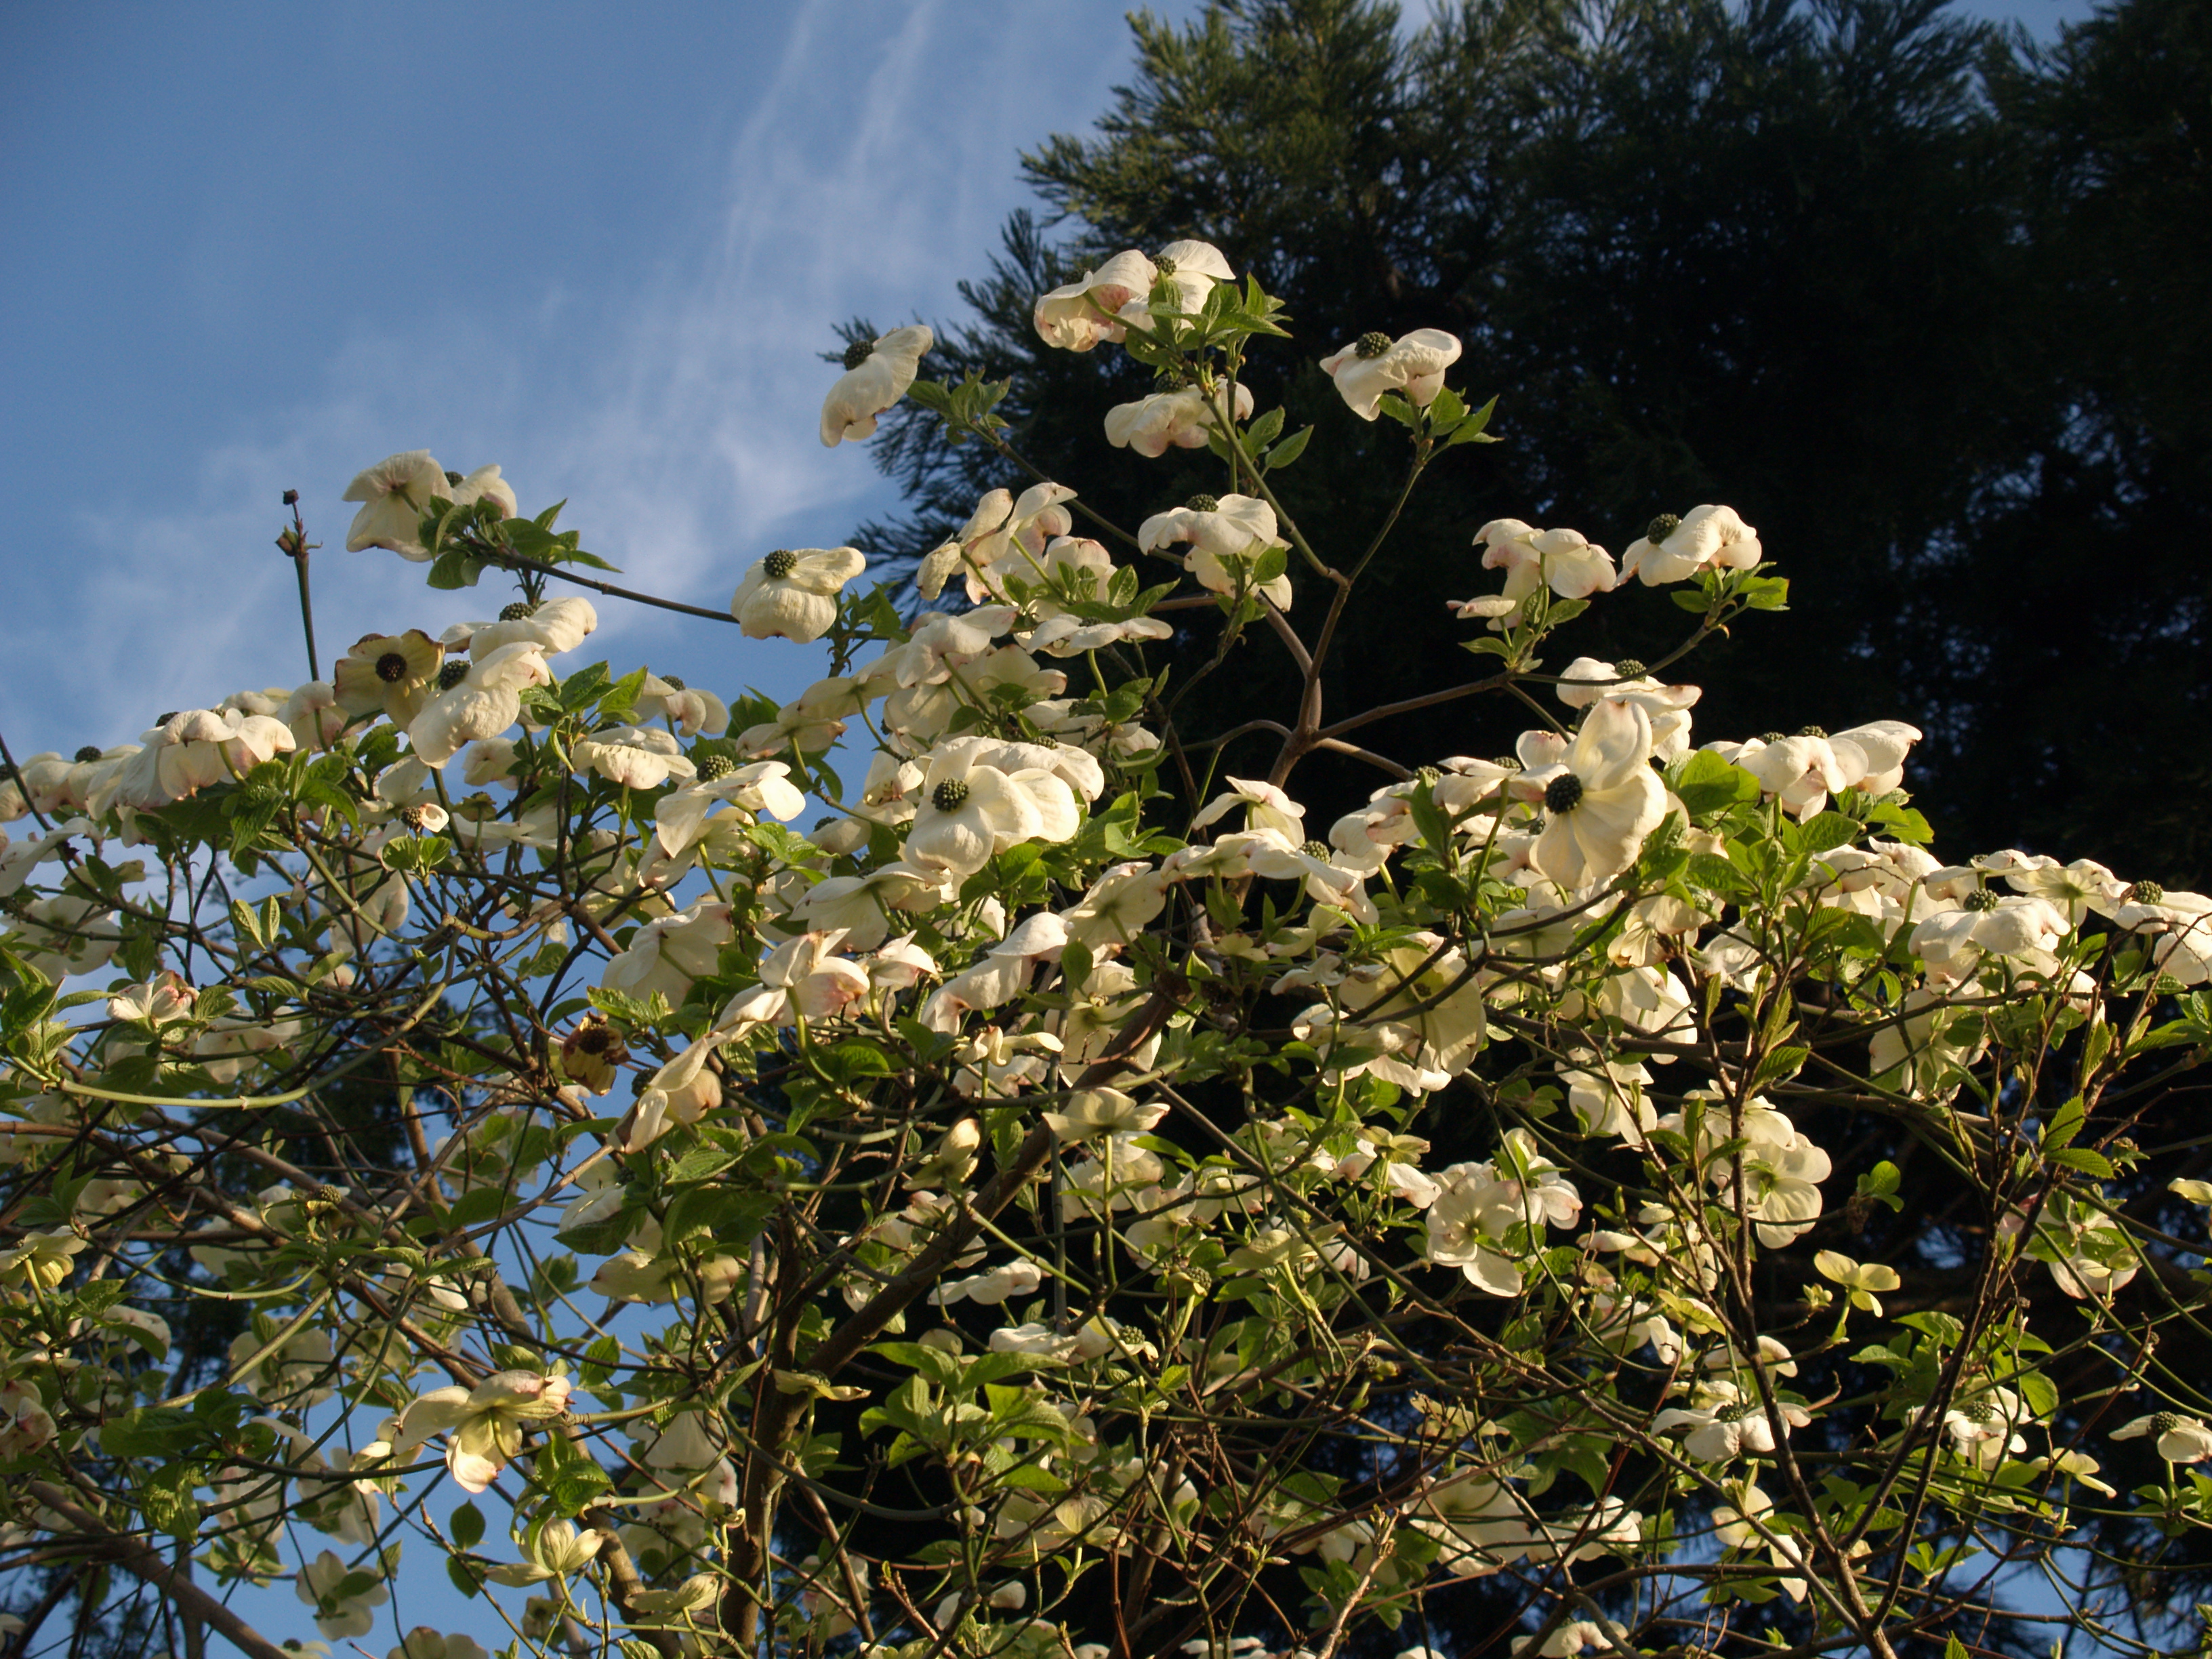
1116,1146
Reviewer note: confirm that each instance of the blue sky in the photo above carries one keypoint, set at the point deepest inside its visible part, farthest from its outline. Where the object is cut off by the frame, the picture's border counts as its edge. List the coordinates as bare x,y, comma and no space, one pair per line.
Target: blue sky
251,247
254,247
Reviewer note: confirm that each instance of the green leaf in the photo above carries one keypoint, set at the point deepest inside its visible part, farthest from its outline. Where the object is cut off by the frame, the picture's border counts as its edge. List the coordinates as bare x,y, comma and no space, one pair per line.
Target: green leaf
168,1499
1289,449
453,568
1881,1182
576,1486
1826,830
851,1061
478,1204
1707,783
149,1431
466,1528
618,700
1780,1063
1471,430
2065,1123
1765,592
1946,1330
464,1576
599,1360
1429,819
2084,1160
733,1218
582,689
1393,404
1075,963
1715,874
415,853
1901,823
2036,1392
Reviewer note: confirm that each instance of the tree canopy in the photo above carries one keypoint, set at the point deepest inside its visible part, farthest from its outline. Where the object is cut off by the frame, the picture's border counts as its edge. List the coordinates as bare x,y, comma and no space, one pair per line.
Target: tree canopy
1925,303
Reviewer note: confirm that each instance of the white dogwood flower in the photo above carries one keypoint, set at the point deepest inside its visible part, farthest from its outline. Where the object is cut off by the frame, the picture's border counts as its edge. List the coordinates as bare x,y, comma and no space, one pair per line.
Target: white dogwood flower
396,493
343,1597
794,593
1076,316
969,809
1600,800
1374,363
393,674
1706,538
482,1425
877,375
1180,419
2180,1439
1531,558
1227,537
635,757
482,703
484,484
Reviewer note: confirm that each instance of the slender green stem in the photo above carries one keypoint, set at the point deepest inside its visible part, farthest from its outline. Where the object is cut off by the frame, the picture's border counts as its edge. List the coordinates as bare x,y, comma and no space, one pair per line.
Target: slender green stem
307,616
295,546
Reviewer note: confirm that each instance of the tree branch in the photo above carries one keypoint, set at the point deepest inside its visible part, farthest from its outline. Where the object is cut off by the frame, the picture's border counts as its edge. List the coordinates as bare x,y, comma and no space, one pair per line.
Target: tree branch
139,1558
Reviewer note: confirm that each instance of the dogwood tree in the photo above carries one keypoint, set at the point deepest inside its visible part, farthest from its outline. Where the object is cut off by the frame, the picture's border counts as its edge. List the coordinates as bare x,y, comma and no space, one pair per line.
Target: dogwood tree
1061,1201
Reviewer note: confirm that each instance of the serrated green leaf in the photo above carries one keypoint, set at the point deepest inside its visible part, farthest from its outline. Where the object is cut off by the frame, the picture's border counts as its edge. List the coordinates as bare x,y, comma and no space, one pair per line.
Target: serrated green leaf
2082,1159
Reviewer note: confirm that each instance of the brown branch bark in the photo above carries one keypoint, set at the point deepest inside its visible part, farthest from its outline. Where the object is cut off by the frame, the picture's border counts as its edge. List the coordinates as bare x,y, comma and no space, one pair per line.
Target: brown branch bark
139,1557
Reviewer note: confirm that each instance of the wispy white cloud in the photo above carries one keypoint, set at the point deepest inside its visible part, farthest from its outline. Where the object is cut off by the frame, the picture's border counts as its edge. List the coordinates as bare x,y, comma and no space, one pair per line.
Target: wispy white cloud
673,402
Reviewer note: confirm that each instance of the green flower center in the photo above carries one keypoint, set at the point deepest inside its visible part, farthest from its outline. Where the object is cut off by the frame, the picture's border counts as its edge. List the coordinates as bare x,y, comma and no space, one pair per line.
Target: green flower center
2146,892
1317,849
780,563
1627,669
89,752
1371,344
1507,763
859,352
1202,503
948,796
673,683
1562,793
454,479
391,668
1165,265
163,720
1662,526
515,611
2166,1422
1981,900
451,675
1812,732
716,766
